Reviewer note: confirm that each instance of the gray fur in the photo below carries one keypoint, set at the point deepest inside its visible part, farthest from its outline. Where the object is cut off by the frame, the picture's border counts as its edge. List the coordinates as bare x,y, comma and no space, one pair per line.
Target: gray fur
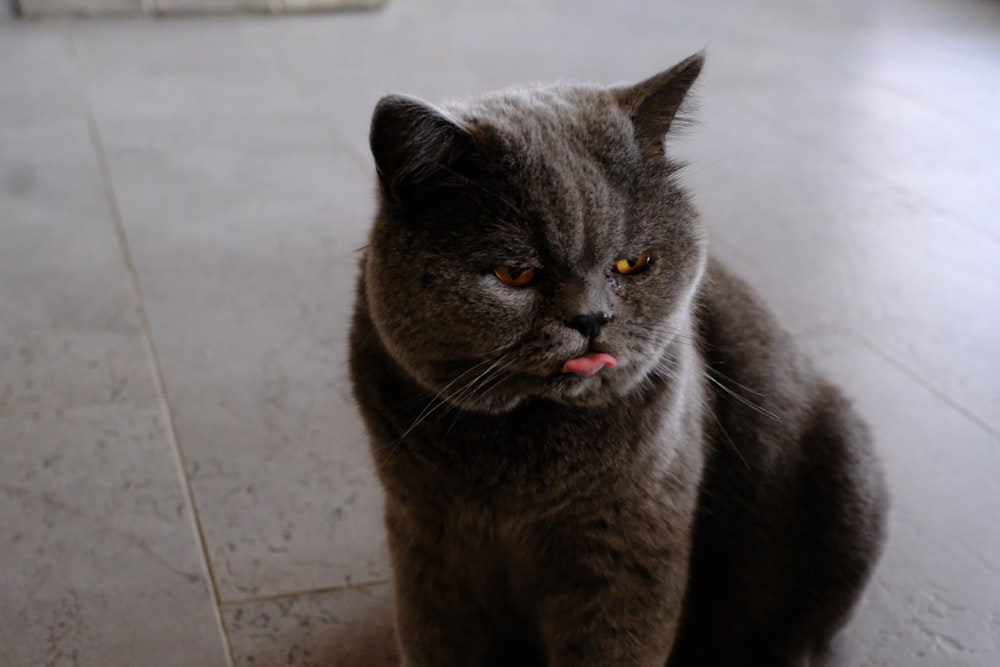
710,501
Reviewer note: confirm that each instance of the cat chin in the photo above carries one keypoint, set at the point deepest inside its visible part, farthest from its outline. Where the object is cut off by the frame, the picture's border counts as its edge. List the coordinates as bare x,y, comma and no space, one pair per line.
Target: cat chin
568,390
594,400
509,404
491,405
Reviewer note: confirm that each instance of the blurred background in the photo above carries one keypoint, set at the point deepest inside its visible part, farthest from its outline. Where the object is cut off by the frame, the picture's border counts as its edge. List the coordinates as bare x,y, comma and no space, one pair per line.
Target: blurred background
183,478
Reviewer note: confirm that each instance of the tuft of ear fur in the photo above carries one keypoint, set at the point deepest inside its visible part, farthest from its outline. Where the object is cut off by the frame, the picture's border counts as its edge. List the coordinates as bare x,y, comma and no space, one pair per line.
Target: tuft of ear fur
653,104
411,142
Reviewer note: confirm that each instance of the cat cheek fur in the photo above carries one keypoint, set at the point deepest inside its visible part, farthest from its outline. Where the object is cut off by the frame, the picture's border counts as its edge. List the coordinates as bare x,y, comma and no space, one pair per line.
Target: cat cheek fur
442,318
447,322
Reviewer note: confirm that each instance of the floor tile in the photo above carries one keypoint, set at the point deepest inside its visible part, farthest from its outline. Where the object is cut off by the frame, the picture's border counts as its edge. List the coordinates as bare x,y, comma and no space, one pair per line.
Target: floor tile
936,73
888,133
226,191
314,50
101,564
37,74
246,242
350,627
182,67
255,367
833,249
961,27
60,251
933,601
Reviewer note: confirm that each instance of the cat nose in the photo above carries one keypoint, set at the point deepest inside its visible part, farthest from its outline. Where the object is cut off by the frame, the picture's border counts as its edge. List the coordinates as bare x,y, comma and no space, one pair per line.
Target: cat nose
589,324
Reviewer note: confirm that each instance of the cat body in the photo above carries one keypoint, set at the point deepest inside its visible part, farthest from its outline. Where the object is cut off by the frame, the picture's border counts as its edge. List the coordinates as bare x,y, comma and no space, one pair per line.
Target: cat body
597,448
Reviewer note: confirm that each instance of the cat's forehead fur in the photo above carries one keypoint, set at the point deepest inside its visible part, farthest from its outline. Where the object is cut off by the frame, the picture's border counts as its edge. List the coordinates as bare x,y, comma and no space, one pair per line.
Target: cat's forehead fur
569,146
544,112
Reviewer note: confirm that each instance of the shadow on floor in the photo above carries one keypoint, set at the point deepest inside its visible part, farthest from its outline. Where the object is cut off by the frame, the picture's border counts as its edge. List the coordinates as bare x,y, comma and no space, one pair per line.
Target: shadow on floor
365,642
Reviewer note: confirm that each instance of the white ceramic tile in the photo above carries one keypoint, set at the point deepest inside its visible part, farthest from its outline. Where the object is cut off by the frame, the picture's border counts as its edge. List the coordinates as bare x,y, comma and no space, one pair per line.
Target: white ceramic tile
888,131
100,565
833,249
37,75
246,244
69,332
343,63
933,601
350,627
255,366
220,193
183,67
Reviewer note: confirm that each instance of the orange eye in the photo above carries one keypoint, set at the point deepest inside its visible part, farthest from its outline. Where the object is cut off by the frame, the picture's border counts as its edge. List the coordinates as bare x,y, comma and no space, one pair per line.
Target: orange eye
515,277
627,266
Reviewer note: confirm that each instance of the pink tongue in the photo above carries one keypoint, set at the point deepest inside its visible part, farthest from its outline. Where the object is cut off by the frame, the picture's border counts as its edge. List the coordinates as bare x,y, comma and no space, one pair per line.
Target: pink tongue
589,364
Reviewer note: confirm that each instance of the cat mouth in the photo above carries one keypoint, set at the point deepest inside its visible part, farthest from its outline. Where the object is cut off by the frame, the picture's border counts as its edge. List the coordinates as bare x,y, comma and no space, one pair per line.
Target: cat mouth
589,365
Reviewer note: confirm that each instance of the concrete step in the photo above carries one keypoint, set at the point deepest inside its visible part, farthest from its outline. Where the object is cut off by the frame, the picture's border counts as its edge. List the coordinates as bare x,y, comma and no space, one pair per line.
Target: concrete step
70,8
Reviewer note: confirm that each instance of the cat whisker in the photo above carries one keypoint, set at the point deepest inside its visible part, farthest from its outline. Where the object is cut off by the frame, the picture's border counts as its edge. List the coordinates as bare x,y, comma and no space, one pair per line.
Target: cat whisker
488,384
663,335
477,384
441,394
742,399
673,333
490,357
732,381
662,342
666,373
725,434
438,396
442,399
658,337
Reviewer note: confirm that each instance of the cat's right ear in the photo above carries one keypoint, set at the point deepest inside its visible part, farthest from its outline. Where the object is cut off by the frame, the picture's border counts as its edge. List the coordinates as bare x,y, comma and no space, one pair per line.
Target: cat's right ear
413,144
653,104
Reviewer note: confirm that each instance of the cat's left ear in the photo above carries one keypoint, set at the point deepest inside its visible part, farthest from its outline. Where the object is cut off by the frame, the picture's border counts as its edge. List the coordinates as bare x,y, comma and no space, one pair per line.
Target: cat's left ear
414,144
653,104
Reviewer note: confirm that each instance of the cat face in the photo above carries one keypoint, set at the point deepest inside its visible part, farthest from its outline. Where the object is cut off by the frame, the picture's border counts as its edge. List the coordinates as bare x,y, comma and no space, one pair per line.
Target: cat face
529,229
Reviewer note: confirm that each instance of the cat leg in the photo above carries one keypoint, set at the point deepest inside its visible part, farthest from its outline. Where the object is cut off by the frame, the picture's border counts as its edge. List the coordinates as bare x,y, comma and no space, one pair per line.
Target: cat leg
615,602
776,594
604,630
436,624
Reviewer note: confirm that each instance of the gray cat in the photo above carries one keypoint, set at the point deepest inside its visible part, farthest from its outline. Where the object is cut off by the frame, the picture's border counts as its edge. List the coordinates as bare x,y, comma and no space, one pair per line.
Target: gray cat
597,447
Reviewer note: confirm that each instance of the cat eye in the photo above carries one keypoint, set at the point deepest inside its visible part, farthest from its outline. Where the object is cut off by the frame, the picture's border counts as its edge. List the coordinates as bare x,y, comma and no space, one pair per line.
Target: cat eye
634,265
514,276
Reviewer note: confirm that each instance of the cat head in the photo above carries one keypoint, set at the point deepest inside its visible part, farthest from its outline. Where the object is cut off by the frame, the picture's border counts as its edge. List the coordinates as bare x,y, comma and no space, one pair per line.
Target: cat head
533,243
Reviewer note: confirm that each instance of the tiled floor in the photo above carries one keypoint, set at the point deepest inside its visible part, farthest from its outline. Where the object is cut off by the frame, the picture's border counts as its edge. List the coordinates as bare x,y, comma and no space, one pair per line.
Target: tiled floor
184,478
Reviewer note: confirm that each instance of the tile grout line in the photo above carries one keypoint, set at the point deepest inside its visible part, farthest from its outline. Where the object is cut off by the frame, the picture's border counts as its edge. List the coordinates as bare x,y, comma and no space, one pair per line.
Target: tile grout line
926,384
260,599
152,356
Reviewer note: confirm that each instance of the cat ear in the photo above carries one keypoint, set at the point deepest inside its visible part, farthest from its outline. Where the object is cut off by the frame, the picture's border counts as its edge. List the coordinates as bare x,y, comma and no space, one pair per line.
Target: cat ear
652,104
412,141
